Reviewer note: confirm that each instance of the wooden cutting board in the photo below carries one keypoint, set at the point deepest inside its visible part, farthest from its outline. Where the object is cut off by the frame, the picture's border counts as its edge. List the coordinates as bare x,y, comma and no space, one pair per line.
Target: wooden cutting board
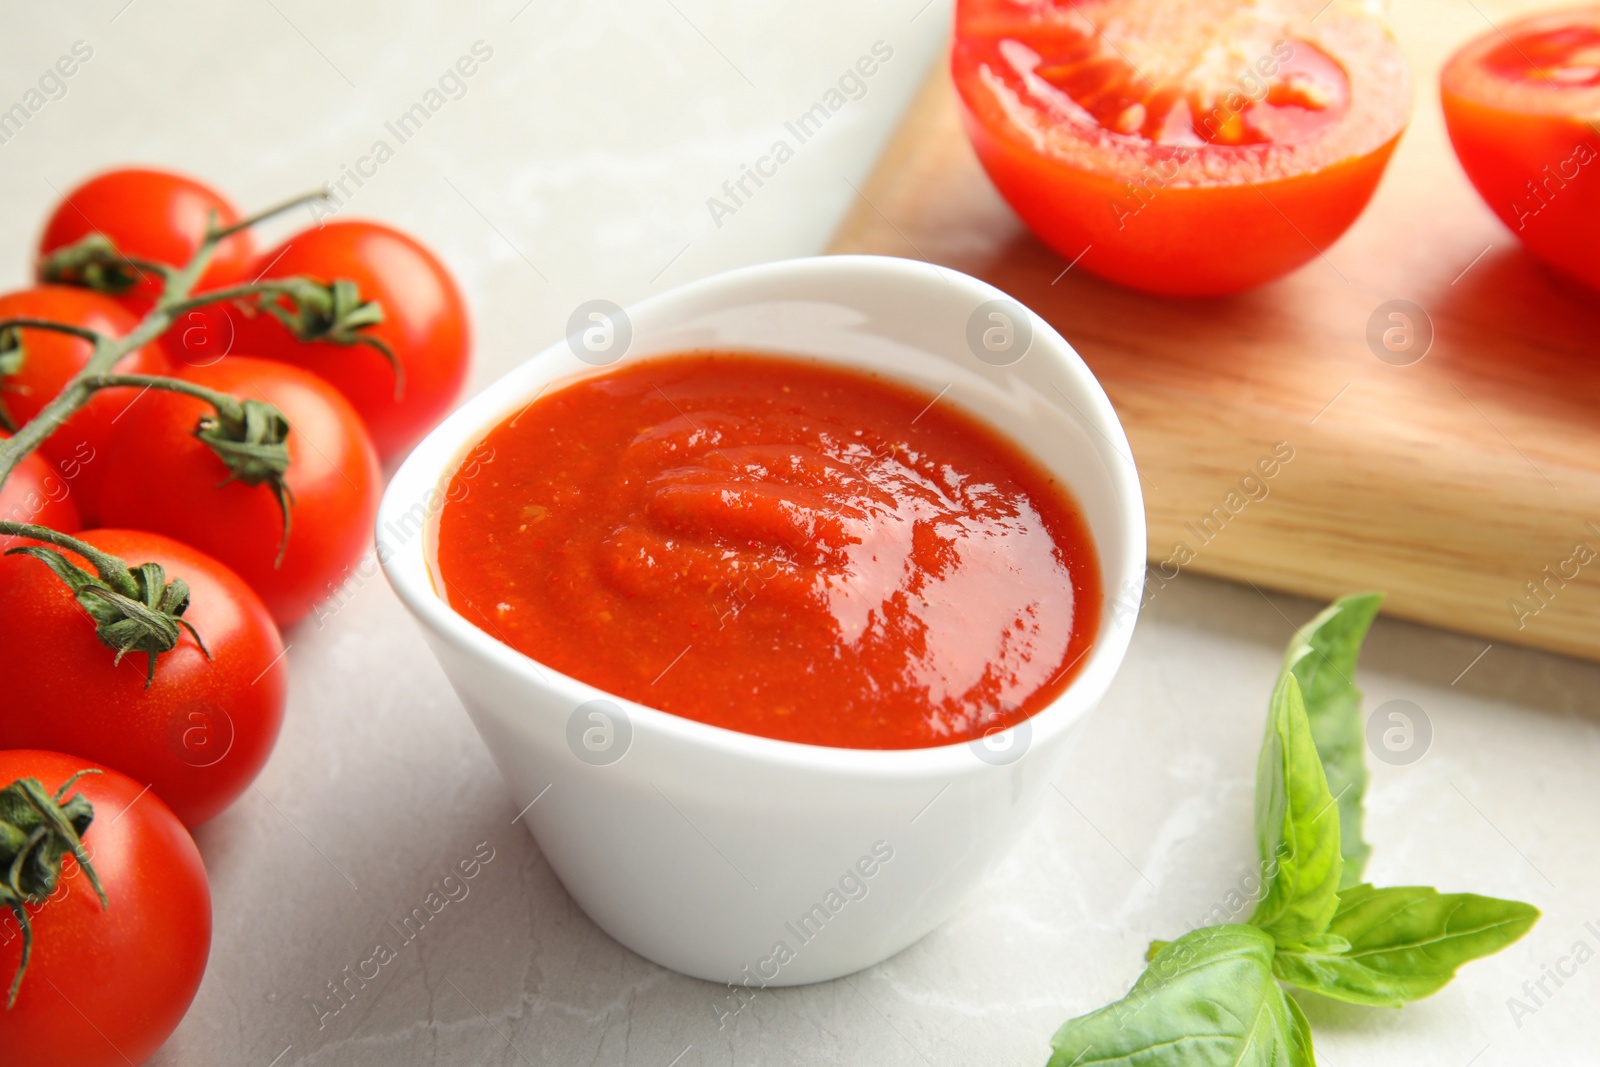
1452,483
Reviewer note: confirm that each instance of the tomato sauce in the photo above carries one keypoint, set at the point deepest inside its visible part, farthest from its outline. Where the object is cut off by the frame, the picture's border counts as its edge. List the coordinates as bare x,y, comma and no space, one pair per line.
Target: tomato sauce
778,547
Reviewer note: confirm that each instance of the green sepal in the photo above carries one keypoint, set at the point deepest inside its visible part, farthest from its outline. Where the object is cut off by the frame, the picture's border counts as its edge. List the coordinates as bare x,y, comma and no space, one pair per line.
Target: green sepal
334,312
134,609
37,829
92,263
251,438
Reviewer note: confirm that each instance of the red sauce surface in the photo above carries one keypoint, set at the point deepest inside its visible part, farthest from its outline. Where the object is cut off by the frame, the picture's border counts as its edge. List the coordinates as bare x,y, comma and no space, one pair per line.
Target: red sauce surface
778,547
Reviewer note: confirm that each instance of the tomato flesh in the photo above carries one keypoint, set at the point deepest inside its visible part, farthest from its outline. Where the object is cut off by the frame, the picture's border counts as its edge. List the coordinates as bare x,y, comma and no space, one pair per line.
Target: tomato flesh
107,986
1180,147
1521,103
1307,92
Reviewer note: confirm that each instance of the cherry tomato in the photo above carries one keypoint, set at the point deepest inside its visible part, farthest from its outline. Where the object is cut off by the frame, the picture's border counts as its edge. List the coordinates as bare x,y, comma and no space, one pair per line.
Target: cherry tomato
1520,103
160,216
425,326
1174,146
36,494
161,477
107,985
200,733
49,359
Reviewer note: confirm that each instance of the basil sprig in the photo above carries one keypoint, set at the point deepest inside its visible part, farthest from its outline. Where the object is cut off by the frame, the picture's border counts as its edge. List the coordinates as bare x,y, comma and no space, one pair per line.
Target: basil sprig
1212,997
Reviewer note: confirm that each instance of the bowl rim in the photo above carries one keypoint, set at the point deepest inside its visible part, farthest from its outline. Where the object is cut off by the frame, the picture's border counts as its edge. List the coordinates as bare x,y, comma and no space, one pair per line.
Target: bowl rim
407,566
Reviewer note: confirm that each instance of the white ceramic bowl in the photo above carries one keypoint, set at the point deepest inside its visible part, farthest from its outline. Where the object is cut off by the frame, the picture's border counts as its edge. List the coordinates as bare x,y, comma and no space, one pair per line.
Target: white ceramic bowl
738,858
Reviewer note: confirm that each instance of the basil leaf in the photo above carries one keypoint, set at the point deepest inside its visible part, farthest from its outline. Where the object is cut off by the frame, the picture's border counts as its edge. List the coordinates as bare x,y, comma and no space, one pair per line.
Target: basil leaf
1322,656
1297,826
1208,999
1405,943
1299,1034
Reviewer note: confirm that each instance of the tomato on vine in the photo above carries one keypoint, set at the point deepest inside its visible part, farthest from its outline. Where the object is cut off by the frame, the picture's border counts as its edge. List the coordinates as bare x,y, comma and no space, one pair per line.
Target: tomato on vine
293,534
197,727
36,363
161,217
105,923
424,326
261,473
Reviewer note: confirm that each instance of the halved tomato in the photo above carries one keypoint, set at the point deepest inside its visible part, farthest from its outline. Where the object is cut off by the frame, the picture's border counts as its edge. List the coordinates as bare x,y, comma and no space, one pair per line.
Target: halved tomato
1522,103
1181,146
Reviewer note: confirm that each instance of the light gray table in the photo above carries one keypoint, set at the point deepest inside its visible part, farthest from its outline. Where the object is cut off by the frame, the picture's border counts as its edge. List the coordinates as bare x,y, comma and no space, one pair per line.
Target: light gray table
576,163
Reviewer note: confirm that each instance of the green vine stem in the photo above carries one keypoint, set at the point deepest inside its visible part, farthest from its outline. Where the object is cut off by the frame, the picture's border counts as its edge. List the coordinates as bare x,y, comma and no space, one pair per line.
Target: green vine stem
13,340
110,566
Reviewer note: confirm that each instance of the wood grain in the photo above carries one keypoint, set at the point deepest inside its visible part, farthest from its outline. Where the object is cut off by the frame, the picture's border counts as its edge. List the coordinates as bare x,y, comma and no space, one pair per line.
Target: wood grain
1451,483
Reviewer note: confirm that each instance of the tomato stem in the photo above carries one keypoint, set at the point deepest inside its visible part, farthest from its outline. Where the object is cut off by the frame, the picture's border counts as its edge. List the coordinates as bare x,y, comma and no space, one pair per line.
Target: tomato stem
276,287
7,325
112,570
262,216
223,402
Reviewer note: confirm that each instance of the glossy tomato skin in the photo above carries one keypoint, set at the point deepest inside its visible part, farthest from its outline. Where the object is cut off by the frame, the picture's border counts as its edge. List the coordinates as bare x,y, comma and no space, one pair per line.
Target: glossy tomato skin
49,360
151,214
425,325
161,477
33,493
1165,206
133,968
1527,148
202,731
1202,241
162,216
